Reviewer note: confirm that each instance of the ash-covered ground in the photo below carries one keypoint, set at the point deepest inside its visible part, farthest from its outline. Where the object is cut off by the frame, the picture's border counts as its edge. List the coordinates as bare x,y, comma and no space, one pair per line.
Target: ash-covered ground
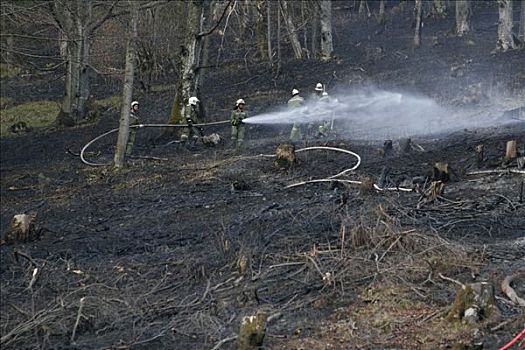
173,252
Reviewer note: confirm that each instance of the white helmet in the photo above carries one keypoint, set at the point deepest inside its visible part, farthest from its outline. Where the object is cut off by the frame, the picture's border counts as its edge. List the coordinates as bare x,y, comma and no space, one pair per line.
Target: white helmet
240,102
325,93
134,103
319,87
193,101
295,92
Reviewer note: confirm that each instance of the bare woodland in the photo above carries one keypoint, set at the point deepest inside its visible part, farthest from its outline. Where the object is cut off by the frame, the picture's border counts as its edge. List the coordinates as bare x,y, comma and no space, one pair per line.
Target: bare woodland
414,243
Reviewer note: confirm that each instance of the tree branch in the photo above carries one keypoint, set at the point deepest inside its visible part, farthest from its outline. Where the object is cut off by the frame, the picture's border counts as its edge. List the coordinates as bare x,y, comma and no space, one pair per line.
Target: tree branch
104,18
200,35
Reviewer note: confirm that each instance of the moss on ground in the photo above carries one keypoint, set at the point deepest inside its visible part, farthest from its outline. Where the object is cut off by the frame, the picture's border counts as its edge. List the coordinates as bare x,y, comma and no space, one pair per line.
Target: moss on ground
163,87
9,71
6,102
35,114
114,102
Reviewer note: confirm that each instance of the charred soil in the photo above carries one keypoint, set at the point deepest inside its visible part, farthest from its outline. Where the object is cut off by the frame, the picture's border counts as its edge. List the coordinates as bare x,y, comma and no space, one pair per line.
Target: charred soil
173,251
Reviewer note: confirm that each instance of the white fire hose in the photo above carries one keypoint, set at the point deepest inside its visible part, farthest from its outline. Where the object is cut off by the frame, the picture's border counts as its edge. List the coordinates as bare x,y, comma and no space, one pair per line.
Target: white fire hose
138,126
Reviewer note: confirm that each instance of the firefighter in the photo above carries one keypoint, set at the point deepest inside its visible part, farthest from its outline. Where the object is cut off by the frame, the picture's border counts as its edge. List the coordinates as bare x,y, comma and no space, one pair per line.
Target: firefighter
326,123
315,97
294,103
237,116
318,92
133,120
191,117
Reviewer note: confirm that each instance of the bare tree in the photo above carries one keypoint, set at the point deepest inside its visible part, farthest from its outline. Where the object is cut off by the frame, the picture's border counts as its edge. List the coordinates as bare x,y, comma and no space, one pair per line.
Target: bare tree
363,9
261,32
505,36
381,17
123,133
269,29
522,22
418,14
74,19
190,50
315,27
439,9
462,17
327,47
290,27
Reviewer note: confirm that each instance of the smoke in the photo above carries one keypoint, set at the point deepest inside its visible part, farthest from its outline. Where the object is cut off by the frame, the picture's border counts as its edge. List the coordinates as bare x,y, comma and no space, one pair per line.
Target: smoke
379,114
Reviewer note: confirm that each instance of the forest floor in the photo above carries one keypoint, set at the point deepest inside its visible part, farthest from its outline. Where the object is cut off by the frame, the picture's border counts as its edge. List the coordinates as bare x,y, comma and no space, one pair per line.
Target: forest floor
173,252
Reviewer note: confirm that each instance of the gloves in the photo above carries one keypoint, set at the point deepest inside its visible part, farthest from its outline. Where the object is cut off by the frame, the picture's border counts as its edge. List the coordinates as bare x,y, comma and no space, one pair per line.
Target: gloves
236,121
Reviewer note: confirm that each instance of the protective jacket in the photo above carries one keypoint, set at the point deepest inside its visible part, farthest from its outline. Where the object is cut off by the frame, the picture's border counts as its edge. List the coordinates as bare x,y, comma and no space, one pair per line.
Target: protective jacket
191,117
237,117
133,120
295,101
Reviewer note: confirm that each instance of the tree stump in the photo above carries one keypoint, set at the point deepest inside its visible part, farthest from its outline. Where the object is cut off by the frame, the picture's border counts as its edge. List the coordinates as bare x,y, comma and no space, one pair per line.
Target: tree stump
441,172
511,152
23,228
521,162
405,145
383,179
387,148
285,156
252,332
474,302
480,150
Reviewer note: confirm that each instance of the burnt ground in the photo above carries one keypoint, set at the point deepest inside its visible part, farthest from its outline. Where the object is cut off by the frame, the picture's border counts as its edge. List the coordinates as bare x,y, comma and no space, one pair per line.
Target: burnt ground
173,252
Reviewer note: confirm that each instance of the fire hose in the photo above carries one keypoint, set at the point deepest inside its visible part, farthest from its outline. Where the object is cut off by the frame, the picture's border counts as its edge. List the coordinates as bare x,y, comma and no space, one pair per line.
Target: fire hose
333,178
513,341
138,126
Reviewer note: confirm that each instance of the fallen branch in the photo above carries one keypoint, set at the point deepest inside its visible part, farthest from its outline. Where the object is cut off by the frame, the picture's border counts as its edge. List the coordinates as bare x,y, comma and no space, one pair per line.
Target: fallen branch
354,182
77,321
510,292
451,280
224,341
497,171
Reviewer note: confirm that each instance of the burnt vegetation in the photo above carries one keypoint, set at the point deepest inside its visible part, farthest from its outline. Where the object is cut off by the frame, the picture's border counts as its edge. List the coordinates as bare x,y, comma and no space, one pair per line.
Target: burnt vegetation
207,247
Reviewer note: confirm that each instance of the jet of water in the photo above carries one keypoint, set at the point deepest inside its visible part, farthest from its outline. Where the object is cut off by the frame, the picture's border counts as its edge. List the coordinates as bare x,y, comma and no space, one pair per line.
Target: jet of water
378,114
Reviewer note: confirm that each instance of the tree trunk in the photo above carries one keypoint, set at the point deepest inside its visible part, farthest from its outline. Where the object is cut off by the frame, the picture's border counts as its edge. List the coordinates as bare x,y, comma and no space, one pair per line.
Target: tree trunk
381,18
315,28
305,31
462,17
202,48
290,27
269,30
505,37
62,45
327,47
418,13
190,51
364,10
278,37
439,9
75,22
522,22
261,7
123,133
